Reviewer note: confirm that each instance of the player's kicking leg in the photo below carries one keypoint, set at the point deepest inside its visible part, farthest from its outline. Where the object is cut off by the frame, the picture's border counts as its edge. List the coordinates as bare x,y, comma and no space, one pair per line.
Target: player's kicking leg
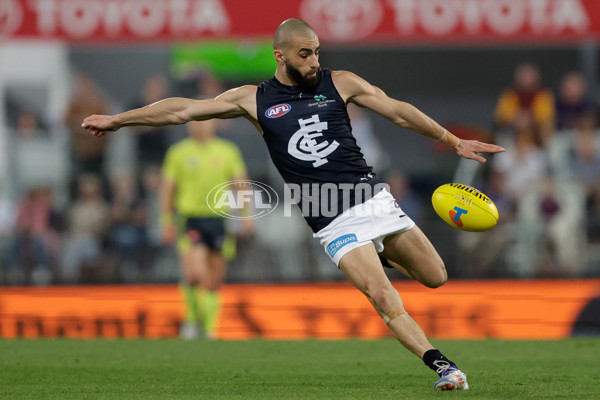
364,270
412,253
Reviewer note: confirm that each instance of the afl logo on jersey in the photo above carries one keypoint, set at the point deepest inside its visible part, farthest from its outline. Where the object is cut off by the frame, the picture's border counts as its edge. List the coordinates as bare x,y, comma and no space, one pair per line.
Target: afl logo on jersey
278,111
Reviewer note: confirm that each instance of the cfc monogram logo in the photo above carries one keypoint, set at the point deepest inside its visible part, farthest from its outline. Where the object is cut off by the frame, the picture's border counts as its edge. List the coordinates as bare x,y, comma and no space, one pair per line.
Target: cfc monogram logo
303,144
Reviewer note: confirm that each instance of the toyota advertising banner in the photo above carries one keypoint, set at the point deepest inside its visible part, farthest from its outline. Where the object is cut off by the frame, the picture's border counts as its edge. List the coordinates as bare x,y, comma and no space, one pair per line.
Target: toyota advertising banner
337,21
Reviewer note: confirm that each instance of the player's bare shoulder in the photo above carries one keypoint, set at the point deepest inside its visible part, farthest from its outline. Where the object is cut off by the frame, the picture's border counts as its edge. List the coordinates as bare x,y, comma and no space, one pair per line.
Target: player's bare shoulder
244,97
349,85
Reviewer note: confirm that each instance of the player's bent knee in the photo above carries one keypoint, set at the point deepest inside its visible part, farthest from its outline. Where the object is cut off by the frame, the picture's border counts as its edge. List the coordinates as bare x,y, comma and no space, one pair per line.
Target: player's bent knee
437,278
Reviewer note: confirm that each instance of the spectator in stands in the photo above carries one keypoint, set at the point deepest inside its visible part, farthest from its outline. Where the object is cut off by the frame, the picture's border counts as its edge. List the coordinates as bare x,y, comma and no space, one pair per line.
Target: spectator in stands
596,108
593,215
549,230
87,226
27,124
527,96
36,243
7,221
482,254
547,233
362,128
88,153
585,168
562,233
128,223
151,181
151,142
524,163
571,102
208,87
585,158
403,193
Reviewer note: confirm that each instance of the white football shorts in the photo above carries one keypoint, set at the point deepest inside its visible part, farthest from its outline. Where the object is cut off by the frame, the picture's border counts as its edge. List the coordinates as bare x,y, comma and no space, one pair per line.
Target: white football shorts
369,222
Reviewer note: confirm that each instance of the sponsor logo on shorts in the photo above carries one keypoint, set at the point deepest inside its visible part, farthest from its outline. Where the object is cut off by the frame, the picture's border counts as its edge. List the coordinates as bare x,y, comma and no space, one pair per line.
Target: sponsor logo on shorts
340,242
278,110
455,215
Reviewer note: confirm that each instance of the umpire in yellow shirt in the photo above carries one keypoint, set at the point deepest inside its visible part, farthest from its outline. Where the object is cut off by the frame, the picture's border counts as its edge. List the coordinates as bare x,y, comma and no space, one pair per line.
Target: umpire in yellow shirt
193,167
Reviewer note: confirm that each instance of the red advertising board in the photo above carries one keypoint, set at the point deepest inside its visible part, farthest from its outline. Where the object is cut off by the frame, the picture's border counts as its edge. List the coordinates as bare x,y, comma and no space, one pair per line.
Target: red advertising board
337,21
535,309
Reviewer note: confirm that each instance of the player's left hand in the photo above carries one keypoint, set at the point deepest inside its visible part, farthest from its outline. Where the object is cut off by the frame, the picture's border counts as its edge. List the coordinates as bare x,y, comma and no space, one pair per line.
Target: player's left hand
471,148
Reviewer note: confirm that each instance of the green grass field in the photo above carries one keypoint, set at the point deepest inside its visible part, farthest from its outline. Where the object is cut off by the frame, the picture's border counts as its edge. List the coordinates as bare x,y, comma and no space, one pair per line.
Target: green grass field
168,369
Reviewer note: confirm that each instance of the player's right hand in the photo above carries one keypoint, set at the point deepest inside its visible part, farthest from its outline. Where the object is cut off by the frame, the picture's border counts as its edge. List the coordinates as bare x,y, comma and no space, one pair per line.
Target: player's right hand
100,125
470,149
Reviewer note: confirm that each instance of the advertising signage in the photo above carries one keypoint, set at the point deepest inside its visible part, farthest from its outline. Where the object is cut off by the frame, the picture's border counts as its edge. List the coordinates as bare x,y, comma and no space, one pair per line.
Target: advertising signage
336,21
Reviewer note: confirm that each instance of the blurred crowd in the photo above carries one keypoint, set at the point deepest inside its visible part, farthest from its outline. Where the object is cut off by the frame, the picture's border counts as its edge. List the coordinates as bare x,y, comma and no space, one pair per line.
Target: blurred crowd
103,226
546,186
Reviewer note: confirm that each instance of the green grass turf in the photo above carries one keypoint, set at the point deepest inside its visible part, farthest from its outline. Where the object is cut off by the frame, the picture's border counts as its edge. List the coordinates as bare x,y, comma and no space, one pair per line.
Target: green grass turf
168,369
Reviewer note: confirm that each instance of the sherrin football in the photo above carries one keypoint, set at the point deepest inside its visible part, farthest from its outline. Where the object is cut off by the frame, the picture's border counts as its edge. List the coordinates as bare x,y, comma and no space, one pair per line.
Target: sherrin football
465,207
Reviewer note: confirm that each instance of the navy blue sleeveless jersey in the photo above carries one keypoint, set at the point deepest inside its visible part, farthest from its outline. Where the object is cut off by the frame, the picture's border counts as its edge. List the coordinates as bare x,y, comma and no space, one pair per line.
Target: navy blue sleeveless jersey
310,141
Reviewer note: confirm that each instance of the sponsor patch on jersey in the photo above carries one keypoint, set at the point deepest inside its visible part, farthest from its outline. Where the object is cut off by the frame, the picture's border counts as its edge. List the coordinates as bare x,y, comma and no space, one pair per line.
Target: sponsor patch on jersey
278,110
340,242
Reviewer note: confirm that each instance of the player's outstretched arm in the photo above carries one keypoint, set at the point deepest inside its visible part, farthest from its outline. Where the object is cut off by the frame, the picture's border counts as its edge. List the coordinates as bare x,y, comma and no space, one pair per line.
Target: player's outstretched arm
356,90
238,102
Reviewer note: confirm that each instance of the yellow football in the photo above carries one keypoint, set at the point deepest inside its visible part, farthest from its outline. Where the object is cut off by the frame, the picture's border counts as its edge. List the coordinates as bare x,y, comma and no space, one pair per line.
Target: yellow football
465,207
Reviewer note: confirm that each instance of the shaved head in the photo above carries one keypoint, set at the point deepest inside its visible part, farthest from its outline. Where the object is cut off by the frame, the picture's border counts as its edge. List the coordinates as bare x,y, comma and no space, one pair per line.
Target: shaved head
296,50
289,29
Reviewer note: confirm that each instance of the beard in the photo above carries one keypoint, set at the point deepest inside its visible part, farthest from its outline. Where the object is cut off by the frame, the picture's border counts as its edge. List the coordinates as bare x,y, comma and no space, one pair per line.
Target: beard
304,84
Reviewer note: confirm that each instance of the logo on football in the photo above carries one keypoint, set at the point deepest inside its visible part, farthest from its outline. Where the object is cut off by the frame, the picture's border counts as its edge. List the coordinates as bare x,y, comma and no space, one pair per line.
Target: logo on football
455,215
465,207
